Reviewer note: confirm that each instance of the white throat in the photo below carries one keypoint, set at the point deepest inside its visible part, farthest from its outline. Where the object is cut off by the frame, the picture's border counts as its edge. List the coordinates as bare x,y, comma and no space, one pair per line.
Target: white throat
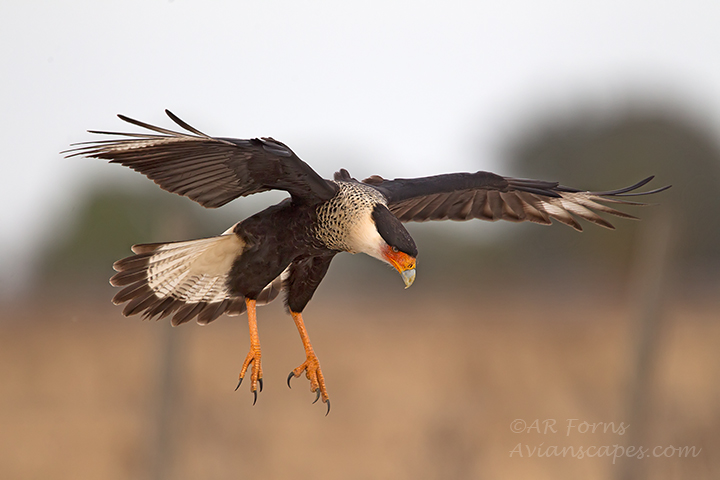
363,237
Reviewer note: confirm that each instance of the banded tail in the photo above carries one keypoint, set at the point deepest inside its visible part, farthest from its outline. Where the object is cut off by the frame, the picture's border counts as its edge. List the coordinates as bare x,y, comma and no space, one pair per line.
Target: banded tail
189,279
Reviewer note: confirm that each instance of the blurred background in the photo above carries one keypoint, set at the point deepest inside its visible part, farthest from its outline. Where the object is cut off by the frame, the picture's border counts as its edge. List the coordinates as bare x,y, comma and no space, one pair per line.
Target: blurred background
504,322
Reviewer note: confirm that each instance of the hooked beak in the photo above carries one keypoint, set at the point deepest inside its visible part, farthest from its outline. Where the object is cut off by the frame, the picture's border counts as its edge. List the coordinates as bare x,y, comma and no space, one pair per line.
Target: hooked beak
408,277
403,263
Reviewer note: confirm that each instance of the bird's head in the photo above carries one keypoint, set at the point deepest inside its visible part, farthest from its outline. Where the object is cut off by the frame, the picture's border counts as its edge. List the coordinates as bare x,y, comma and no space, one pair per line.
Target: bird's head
395,245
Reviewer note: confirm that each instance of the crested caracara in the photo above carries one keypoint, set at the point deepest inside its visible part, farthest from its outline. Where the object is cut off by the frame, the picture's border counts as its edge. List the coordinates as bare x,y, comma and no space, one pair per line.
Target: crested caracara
289,246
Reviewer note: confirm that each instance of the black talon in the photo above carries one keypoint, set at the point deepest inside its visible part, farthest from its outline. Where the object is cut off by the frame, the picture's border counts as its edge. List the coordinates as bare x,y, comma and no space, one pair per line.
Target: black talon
261,383
328,410
240,382
255,397
317,397
292,374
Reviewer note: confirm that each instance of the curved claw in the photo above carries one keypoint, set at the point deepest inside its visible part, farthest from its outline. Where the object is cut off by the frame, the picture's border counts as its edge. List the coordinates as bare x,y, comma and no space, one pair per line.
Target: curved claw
256,382
311,367
328,404
290,377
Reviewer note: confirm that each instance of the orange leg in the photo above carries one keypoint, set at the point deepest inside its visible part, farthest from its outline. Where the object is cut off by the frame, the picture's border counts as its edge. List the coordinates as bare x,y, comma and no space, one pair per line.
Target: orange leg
253,356
311,366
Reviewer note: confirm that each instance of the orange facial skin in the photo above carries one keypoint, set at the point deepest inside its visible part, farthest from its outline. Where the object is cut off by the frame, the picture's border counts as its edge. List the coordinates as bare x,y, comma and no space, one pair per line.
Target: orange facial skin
403,263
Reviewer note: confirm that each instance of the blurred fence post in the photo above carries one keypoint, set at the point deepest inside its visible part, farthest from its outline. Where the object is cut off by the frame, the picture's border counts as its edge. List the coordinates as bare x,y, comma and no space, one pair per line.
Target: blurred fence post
166,409
650,265
168,402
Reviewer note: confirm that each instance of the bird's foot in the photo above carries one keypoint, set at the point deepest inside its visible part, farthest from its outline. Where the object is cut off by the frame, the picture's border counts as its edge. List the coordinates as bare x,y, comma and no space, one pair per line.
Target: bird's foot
311,367
256,383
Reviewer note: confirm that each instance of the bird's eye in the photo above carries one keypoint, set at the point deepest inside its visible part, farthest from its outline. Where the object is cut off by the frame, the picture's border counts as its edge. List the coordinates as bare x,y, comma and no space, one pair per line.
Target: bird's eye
395,250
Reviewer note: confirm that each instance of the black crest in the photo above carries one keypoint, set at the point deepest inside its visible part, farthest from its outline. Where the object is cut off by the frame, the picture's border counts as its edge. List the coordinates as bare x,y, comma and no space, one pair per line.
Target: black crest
392,231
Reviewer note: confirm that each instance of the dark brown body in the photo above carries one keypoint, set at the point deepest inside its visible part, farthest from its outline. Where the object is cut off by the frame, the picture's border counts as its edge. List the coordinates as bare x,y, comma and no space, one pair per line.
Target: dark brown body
275,238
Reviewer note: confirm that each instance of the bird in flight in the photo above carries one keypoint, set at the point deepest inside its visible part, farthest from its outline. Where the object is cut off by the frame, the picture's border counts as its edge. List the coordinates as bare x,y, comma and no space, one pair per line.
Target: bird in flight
288,247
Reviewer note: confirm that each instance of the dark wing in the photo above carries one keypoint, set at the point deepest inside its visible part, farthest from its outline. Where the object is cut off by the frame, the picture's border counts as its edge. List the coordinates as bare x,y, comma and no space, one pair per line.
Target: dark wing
212,171
484,195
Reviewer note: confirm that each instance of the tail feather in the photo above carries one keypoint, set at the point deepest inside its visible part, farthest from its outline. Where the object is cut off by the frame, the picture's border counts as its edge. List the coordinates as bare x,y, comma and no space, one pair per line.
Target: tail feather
188,279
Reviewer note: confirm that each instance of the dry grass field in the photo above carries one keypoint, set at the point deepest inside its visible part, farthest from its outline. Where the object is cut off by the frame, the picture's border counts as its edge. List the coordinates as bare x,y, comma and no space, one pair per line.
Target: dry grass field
419,390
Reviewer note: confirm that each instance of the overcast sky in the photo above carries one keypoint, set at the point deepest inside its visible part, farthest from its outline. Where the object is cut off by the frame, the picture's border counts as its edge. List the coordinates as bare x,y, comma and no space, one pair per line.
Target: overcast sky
393,88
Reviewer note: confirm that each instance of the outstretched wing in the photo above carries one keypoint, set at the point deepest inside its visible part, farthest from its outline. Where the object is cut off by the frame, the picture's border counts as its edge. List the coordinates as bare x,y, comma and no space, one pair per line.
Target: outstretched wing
484,195
212,171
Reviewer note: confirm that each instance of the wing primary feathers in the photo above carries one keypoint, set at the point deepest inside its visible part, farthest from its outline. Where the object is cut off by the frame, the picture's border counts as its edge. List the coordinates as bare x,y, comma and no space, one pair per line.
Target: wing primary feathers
154,128
624,192
209,170
621,191
184,125
482,195
649,192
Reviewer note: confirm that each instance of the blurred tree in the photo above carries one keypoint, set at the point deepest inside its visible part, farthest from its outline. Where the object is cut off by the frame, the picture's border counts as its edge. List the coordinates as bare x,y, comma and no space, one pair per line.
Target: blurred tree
602,155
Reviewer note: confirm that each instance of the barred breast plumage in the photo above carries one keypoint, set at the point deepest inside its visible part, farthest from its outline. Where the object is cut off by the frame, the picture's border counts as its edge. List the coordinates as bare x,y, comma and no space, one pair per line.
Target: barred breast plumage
343,219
